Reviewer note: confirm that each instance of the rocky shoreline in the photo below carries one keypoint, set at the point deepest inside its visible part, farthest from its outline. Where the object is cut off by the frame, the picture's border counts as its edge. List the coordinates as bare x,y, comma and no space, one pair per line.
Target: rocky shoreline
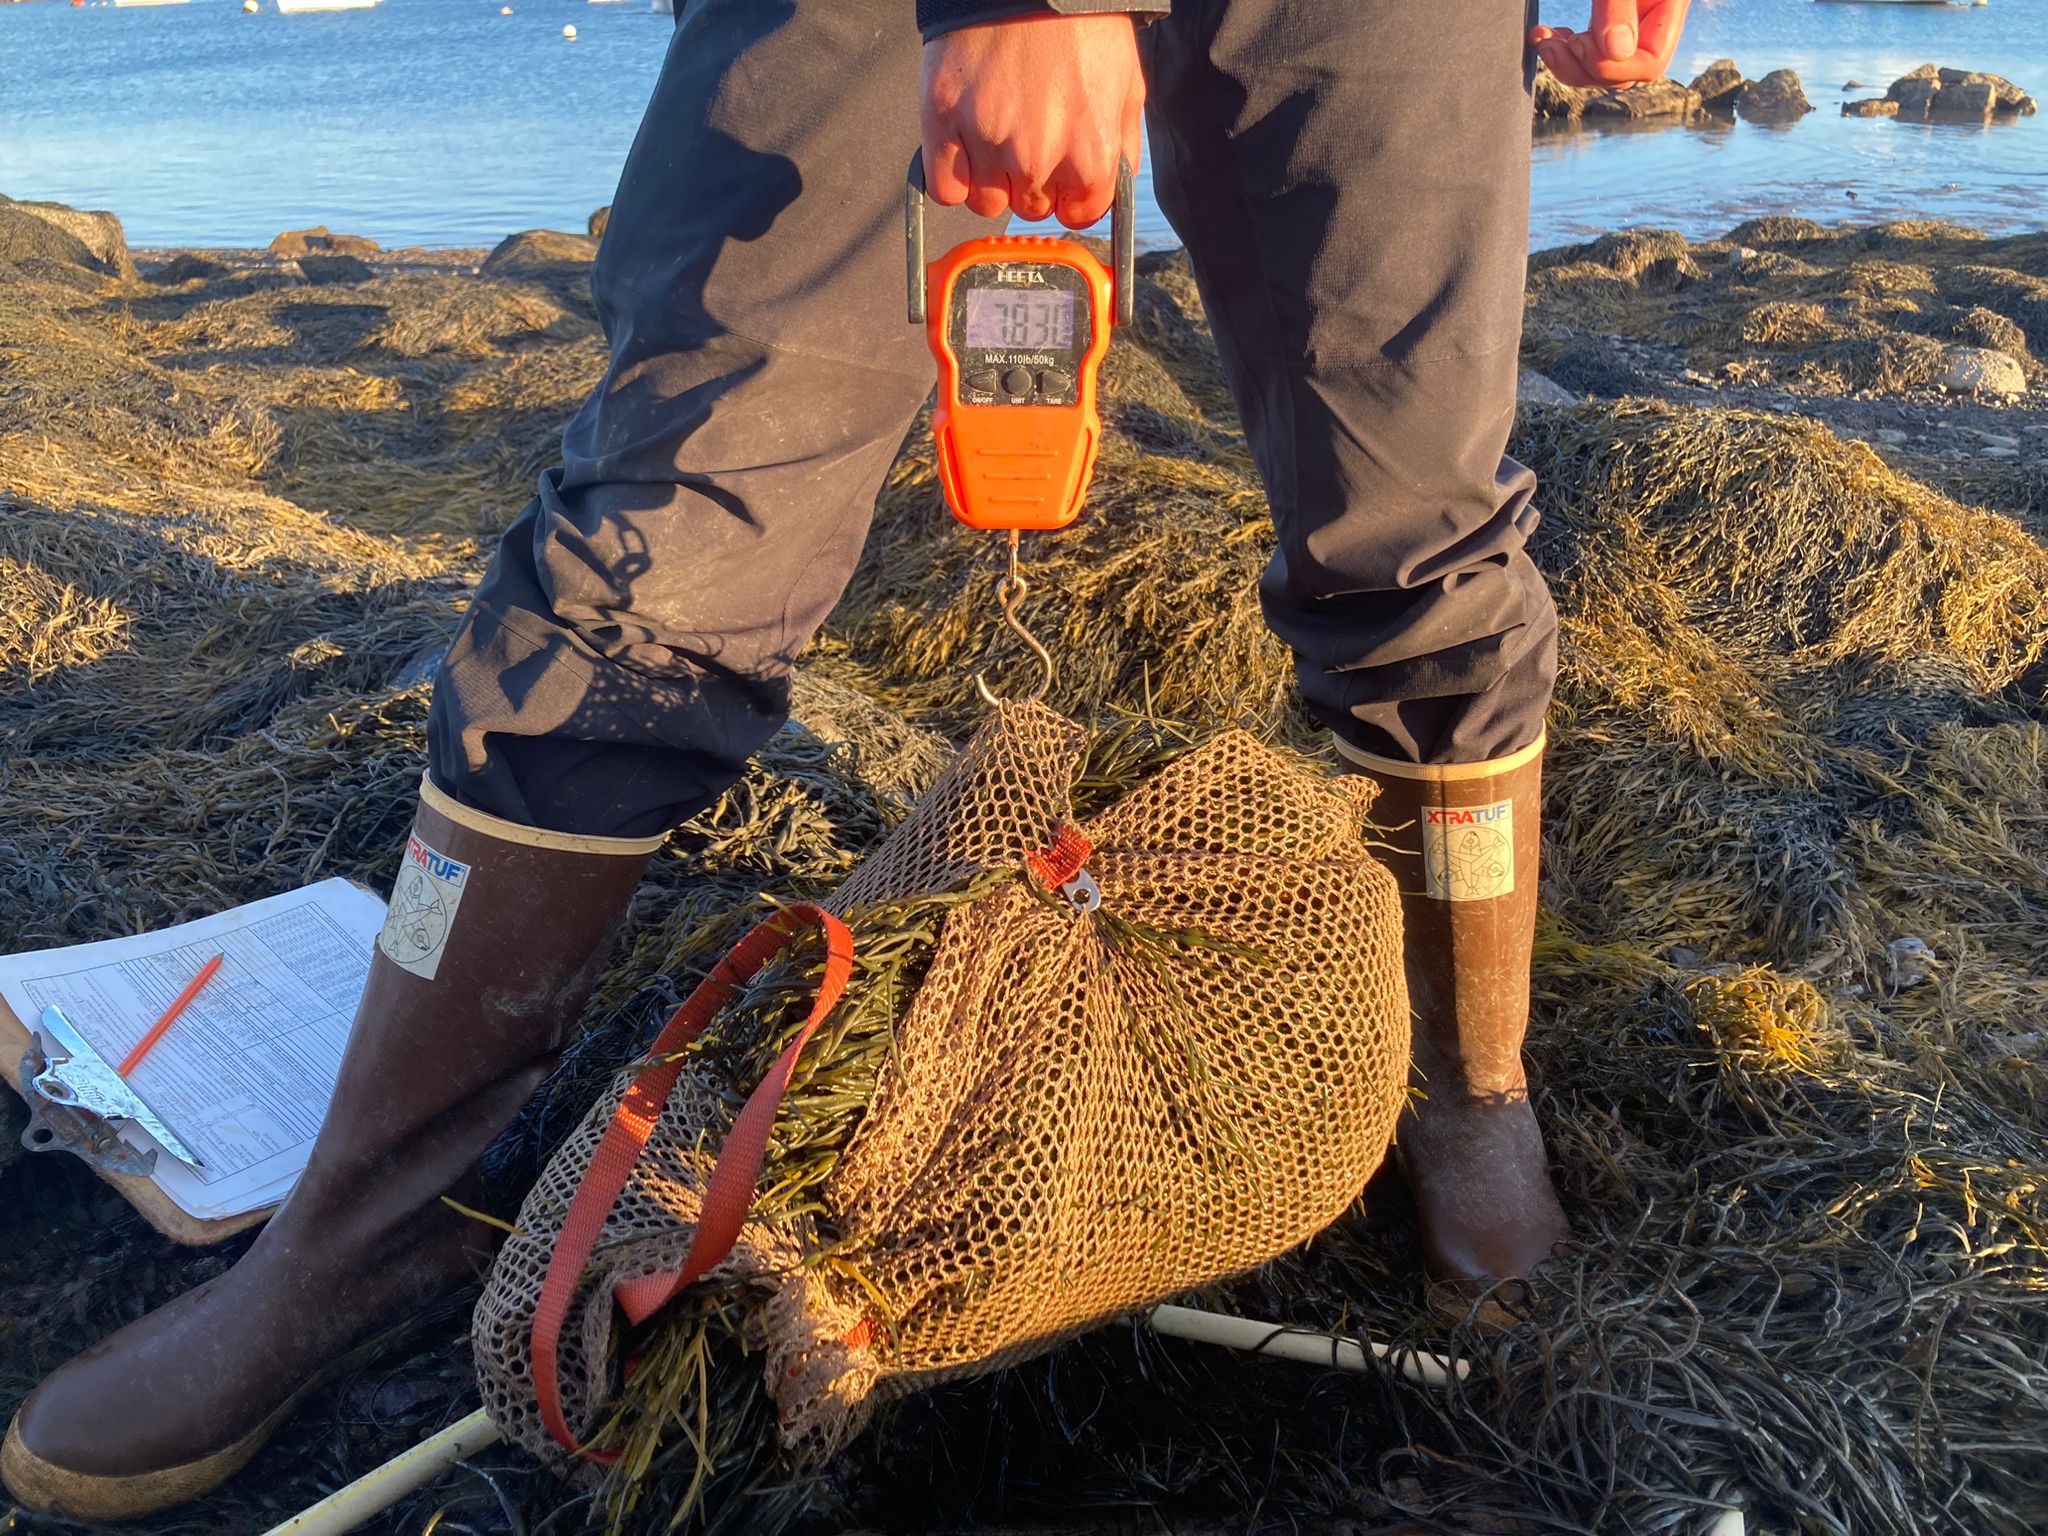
1794,487
1936,93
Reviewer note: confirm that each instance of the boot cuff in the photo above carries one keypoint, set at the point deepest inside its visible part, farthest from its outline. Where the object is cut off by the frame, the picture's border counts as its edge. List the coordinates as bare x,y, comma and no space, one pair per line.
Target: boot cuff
1439,773
442,803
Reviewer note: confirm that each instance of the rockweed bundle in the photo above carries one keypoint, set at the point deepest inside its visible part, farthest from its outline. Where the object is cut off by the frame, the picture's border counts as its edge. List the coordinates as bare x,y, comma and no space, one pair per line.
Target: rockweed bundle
1062,1070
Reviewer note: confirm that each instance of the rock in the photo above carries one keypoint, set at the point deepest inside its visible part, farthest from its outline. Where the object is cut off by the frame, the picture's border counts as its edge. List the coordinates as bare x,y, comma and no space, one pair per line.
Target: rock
1651,101
1776,98
1980,371
187,267
322,241
1557,101
600,221
336,269
1958,94
1891,437
1974,100
26,237
1871,106
1853,85
2007,96
1532,388
98,231
1913,961
1719,84
534,249
1914,94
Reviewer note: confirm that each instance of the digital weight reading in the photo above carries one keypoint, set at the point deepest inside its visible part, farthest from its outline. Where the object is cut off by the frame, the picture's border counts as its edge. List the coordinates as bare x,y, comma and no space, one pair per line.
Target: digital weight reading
1019,318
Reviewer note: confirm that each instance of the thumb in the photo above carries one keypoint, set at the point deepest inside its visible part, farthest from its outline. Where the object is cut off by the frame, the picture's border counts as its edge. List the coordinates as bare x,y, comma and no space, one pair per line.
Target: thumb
1614,26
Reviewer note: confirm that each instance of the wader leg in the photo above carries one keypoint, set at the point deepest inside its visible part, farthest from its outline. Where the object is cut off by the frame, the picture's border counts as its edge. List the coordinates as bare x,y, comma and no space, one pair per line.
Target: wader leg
631,646
1354,196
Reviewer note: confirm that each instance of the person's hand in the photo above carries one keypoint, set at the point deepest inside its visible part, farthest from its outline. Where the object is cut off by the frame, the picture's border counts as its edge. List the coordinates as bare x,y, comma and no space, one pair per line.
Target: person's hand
1031,114
1628,42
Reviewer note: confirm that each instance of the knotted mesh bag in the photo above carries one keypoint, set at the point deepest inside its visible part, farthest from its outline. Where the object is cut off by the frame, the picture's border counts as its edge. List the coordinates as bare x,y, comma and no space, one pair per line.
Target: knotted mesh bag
1076,1113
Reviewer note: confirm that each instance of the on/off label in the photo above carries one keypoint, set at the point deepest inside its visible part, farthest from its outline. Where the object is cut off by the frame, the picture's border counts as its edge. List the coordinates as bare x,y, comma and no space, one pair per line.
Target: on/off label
1468,851
422,912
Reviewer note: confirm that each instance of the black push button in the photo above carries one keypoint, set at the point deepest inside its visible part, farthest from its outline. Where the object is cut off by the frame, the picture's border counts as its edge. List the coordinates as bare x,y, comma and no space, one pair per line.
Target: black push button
1017,382
982,381
1054,382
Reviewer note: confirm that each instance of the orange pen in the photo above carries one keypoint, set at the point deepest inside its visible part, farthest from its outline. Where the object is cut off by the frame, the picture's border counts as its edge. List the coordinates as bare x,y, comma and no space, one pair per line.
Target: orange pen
156,1030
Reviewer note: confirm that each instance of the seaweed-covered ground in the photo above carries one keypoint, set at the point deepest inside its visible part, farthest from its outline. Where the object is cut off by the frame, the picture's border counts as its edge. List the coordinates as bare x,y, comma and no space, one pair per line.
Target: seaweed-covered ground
1791,1042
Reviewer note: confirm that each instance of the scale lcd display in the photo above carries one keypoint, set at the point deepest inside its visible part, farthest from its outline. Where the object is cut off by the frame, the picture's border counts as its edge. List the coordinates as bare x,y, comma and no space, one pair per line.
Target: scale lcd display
1019,318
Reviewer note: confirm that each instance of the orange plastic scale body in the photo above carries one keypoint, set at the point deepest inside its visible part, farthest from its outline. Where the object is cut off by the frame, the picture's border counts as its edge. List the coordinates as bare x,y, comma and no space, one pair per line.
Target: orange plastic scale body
1019,325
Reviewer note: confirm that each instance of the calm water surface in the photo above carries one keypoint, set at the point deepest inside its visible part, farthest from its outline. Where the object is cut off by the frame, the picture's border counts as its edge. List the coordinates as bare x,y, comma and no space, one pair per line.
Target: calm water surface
440,122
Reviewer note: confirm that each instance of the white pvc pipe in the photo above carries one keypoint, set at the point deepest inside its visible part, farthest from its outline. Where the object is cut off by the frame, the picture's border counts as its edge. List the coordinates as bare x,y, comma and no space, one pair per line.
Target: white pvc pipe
374,1492
1298,1344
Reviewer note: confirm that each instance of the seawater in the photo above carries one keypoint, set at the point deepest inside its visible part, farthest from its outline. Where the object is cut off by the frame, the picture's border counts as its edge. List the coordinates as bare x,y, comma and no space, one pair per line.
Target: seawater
441,122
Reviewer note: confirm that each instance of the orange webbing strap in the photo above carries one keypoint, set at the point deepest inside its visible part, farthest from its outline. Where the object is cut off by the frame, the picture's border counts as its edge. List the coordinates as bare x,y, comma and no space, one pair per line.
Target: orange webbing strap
1053,866
731,1187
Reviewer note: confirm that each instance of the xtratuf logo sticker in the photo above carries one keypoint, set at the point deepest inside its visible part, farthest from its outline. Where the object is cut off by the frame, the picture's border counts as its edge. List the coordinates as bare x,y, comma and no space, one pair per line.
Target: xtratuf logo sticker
1468,851
422,911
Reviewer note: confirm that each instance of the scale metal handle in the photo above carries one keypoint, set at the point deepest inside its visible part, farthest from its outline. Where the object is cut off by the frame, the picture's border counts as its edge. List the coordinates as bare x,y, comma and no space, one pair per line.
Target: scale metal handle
1122,240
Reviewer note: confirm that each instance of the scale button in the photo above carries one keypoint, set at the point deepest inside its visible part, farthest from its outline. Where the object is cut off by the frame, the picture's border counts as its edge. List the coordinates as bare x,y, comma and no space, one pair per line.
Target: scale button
1054,381
982,381
1017,382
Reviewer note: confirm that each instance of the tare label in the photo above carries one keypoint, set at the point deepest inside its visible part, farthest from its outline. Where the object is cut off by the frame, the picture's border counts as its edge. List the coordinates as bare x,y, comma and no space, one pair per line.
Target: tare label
1468,851
423,905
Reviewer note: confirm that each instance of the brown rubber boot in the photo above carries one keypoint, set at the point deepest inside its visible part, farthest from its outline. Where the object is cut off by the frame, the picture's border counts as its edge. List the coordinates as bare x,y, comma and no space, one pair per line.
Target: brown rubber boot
1465,839
495,938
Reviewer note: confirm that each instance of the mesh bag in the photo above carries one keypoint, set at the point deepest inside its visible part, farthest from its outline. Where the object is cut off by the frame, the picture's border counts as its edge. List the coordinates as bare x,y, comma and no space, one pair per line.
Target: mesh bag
1082,1110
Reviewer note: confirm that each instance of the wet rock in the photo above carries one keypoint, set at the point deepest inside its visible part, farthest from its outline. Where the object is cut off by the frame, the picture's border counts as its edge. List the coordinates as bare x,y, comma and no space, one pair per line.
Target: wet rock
1777,98
336,269
1718,85
1852,85
1914,94
187,267
1972,100
322,241
1981,371
1960,95
2006,97
600,221
536,249
1648,102
1873,106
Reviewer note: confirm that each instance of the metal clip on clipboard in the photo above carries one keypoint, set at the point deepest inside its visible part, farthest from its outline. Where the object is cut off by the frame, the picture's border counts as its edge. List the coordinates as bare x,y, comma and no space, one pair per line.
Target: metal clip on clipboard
77,1103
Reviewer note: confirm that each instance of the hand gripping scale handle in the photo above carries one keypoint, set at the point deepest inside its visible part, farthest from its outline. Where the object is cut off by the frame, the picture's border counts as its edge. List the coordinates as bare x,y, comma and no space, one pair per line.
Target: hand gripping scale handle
1122,240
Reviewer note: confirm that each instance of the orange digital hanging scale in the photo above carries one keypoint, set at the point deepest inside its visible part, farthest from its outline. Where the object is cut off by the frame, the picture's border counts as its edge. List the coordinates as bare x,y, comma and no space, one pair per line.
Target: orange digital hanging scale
1019,325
